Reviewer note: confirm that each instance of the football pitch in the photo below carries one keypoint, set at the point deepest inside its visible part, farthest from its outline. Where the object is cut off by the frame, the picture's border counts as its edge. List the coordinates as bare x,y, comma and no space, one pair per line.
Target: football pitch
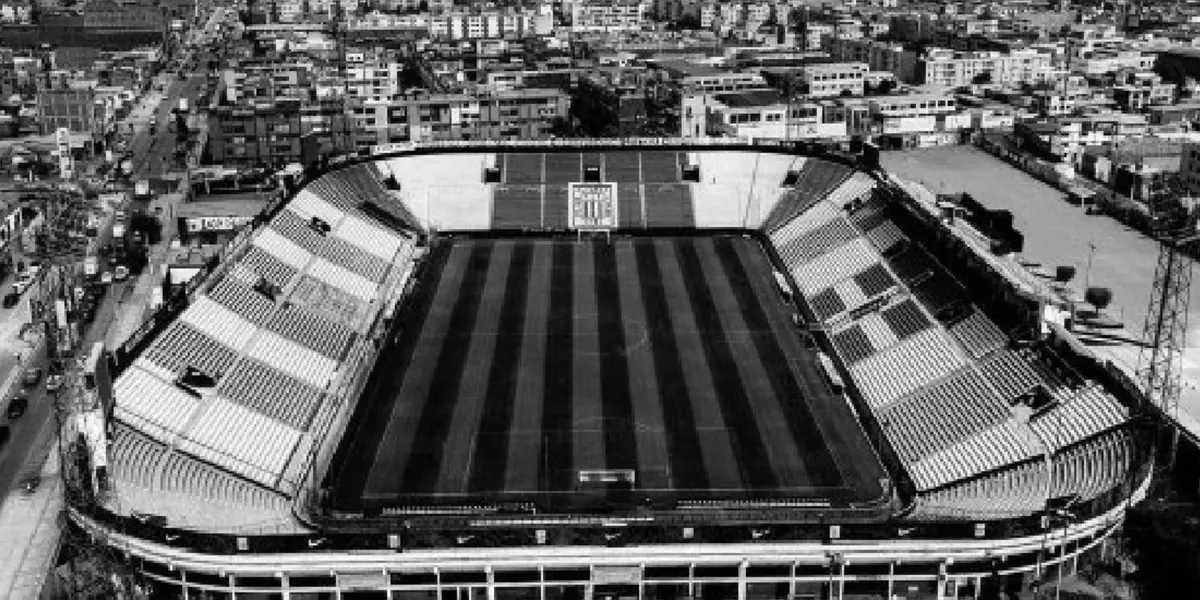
520,365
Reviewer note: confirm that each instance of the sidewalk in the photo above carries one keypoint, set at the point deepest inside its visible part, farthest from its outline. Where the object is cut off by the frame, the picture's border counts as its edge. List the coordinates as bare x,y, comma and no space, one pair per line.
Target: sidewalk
29,524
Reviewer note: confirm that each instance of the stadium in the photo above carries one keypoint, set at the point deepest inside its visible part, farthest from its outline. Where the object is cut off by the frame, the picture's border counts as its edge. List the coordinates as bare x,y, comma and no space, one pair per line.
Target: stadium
637,369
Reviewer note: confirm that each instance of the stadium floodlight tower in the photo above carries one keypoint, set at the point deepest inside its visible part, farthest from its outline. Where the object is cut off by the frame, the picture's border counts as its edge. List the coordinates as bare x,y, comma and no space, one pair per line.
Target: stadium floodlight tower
1164,333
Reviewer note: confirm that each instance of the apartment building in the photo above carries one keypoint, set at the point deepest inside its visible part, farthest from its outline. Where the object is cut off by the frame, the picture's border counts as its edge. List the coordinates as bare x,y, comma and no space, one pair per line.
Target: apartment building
1066,139
950,68
916,113
275,132
705,79
879,56
760,114
512,114
488,24
1137,91
372,75
612,16
834,79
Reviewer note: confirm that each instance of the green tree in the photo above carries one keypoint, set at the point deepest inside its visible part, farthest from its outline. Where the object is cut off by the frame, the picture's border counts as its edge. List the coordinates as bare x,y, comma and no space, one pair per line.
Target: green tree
1100,297
148,225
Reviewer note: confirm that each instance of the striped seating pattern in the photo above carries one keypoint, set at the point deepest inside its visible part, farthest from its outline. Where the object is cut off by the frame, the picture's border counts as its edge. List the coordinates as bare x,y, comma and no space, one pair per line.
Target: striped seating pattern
906,319
1091,411
181,345
555,207
874,280
857,186
342,278
812,218
152,405
853,344
1003,444
818,177
1011,373
282,249
274,394
186,475
243,300
827,303
881,335
624,167
218,322
1014,492
1095,466
298,230
293,359
306,328
668,205
353,258
522,168
833,266
133,457
872,213
369,237
885,236
921,359
941,415
818,241
978,335
237,438
330,303
660,167
267,266
307,205
563,167
850,293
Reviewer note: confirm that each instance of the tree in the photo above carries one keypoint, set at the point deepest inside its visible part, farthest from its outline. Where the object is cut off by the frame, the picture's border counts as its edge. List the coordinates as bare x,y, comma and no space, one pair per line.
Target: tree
982,78
148,225
1064,273
1100,297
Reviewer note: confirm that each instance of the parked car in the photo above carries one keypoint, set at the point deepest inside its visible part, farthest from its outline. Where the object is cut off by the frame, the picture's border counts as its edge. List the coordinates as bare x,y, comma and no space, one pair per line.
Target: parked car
31,377
17,407
121,273
54,382
23,282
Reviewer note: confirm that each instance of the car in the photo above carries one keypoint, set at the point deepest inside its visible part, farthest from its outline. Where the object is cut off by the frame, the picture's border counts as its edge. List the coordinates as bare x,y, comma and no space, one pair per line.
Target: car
121,273
17,407
106,277
31,377
54,382
23,282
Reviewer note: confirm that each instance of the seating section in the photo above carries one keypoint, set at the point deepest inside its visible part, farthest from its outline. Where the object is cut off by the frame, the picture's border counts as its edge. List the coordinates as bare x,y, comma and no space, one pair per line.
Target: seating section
886,236
181,346
817,178
135,458
554,216
828,269
307,328
563,167
523,168
1095,466
942,415
1089,412
855,190
271,393
233,294
1001,445
978,335
240,439
629,205
271,353
661,167
920,360
186,475
668,205
517,207
821,239
1015,492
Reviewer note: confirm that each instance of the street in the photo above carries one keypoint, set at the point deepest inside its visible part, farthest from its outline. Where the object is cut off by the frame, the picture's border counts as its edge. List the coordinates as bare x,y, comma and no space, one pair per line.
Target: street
153,154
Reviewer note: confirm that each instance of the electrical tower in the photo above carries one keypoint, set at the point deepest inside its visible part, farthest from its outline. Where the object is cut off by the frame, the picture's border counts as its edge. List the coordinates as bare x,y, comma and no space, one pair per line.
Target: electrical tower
1165,331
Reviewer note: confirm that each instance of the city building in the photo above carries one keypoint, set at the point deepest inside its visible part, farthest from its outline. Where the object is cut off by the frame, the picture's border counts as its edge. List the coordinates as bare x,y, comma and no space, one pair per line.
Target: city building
273,133
950,68
511,114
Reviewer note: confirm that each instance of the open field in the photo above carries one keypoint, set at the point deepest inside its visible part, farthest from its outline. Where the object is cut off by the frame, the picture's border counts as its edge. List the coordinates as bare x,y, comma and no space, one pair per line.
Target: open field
521,362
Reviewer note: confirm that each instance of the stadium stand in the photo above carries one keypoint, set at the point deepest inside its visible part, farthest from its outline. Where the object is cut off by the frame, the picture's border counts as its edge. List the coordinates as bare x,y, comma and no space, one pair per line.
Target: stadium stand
282,249
271,392
817,178
739,189
241,440
623,167
232,293
289,357
181,346
630,211
219,323
563,167
668,205
135,457
267,266
661,167
152,405
330,338
443,192
1089,412
522,168
943,414
978,335
919,360
835,265
1094,466
183,474
555,208
370,238
853,192
1017,491
1004,444
885,236
517,207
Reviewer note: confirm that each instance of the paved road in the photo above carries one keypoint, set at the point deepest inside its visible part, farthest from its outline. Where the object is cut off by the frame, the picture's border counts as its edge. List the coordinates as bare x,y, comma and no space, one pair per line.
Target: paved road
153,154
33,433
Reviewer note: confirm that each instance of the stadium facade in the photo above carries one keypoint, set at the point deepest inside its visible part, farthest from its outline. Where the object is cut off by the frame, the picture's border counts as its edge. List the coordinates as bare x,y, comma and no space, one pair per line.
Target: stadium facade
637,369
